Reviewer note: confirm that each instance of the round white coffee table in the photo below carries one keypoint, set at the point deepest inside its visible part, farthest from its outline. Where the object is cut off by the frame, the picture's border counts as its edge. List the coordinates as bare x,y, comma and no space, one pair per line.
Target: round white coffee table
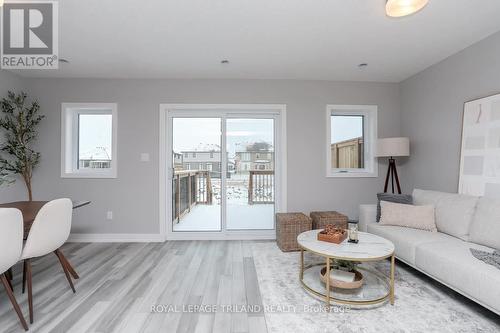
376,289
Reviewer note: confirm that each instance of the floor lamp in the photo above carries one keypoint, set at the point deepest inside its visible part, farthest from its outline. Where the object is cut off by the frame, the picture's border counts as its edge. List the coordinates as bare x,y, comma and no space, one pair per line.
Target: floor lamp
393,147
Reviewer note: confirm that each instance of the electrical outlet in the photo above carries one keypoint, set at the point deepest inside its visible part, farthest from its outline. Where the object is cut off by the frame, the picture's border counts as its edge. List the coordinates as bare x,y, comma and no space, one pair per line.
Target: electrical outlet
144,157
109,215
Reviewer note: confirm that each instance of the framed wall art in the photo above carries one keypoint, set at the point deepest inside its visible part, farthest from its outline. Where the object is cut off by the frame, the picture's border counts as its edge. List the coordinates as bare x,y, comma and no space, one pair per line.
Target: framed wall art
480,153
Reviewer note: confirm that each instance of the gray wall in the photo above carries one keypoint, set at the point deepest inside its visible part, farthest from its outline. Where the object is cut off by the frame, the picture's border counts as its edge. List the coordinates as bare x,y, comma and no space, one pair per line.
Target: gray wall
9,81
133,196
427,107
432,106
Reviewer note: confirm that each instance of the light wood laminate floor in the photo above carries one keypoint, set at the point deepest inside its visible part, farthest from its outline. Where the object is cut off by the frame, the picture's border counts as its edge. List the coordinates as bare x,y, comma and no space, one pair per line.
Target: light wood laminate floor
120,282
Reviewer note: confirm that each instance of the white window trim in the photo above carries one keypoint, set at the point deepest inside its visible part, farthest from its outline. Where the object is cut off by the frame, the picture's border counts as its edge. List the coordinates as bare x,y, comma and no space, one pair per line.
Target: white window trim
69,140
370,135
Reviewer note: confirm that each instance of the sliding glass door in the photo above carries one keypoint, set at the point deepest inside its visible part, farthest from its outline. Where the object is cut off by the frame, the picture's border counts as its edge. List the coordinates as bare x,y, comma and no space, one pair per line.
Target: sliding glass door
197,170
222,172
250,187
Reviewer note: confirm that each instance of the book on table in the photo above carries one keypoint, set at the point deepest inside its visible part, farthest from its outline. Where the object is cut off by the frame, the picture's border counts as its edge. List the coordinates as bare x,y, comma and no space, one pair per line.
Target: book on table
343,276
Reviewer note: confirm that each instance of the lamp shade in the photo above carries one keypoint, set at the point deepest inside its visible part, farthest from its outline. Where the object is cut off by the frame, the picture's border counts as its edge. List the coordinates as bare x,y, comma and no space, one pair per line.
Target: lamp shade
393,147
399,8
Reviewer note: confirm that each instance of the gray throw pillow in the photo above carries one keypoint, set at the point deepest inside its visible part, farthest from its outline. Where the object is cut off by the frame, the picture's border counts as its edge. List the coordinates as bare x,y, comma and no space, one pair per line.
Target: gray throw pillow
390,197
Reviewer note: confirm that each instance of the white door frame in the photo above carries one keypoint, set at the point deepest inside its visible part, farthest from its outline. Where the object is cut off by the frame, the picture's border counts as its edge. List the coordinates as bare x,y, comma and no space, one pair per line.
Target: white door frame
225,111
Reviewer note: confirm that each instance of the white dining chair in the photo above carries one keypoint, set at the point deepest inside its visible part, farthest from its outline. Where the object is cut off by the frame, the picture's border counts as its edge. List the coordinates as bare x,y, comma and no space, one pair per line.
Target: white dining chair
48,233
11,238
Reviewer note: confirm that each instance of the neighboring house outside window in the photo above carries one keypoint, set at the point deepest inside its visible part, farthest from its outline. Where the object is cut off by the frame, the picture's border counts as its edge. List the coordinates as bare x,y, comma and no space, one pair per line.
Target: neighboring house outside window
89,140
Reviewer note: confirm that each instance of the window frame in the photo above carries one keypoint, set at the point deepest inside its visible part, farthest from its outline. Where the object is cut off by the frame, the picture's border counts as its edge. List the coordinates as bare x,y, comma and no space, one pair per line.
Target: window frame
70,113
369,112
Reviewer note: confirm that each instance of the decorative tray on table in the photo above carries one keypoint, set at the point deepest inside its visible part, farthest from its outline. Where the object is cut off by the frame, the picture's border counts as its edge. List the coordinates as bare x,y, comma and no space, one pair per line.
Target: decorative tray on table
332,234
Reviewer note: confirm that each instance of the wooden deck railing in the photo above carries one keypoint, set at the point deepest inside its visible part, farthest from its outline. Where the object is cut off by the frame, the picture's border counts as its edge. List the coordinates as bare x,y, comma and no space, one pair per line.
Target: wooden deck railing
190,188
261,187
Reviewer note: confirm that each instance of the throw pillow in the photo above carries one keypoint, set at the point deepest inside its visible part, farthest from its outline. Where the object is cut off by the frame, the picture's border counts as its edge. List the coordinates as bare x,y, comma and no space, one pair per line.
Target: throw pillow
396,198
454,212
416,217
485,228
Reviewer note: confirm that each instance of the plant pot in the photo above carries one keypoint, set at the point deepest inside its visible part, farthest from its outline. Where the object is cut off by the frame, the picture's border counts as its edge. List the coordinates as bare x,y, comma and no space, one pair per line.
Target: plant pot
357,283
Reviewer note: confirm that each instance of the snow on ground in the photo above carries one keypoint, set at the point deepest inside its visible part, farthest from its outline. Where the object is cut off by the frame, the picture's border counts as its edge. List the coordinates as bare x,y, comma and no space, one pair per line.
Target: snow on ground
240,215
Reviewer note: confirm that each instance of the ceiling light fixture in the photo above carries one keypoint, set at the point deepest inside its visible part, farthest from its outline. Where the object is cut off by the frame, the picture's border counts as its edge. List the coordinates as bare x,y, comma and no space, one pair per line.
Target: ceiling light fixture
1,3
400,8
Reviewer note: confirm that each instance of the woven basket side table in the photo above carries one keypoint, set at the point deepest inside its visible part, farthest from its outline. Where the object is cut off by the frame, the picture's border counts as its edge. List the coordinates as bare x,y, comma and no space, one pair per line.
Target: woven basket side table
321,219
288,227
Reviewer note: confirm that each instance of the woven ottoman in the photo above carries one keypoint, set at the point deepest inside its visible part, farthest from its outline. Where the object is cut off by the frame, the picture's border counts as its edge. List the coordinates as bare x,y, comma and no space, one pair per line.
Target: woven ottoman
288,227
321,219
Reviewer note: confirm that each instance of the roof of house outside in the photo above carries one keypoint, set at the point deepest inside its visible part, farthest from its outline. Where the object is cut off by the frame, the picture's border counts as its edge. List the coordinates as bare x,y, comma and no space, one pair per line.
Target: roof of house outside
204,148
255,147
98,153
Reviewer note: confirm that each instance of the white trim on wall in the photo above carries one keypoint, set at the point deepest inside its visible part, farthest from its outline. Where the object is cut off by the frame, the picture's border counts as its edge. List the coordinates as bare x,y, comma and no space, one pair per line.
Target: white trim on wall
165,209
370,135
115,238
69,139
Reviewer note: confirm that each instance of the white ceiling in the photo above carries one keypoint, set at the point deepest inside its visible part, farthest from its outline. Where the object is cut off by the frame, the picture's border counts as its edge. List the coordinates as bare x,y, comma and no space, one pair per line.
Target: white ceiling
275,39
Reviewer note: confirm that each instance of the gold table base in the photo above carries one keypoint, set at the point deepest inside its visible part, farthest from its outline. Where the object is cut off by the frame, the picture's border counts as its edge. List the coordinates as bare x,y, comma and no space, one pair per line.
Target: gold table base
328,298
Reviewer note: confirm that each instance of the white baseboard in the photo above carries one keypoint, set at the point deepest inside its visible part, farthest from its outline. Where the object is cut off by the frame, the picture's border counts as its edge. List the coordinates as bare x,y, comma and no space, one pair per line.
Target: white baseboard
159,238
220,236
116,238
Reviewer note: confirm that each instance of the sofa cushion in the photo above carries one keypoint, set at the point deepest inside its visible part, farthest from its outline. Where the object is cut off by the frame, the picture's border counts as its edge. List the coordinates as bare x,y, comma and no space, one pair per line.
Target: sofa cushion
454,212
452,263
416,217
485,227
391,197
406,240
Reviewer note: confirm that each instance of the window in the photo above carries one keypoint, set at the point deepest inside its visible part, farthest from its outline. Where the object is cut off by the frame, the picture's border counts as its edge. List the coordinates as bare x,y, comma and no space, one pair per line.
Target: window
88,139
245,156
211,154
209,166
188,166
351,140
194,155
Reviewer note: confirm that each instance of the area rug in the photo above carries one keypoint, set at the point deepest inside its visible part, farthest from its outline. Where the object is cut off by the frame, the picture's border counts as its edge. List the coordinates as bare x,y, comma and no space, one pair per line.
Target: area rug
422,305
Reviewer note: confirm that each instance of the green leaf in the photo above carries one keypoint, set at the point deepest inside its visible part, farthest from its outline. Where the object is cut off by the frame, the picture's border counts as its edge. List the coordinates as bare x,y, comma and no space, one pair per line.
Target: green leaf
19,121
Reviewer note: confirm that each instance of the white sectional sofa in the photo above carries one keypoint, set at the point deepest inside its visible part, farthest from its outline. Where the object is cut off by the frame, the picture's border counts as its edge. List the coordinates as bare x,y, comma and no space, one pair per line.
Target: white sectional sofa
463,222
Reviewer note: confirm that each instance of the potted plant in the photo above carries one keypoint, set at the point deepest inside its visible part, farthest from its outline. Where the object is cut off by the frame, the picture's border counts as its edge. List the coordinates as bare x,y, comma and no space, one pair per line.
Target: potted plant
4,178
19,120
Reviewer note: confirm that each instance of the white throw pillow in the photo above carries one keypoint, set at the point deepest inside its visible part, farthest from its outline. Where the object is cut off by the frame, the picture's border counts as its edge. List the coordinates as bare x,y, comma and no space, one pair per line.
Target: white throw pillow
416,217
485,228
454,212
